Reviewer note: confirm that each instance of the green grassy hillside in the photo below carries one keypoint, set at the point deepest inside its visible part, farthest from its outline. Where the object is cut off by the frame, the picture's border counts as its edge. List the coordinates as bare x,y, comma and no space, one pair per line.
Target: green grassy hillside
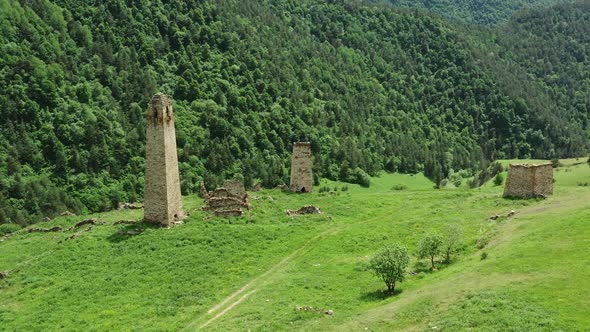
253,272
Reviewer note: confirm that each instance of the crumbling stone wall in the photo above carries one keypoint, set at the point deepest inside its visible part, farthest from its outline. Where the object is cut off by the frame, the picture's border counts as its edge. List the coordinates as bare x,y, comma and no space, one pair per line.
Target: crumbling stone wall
162,199
526,181
301,168
227,201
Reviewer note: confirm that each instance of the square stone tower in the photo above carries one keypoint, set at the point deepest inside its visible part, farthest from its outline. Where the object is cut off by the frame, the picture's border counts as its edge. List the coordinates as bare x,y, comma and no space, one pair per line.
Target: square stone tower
162,201
526,181
301,168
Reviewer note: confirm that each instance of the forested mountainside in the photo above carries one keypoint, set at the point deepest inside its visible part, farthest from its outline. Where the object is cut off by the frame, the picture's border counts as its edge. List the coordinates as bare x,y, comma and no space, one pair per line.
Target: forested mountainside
553,46
372,87
480,12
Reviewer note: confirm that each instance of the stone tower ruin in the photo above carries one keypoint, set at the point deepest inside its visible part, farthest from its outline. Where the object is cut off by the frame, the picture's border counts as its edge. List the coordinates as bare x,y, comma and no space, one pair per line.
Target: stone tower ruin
526,181
162,201
301,173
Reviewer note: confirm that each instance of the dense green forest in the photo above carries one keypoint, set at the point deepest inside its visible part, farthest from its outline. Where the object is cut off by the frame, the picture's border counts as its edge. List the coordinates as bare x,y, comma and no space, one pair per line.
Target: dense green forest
372,87
480,12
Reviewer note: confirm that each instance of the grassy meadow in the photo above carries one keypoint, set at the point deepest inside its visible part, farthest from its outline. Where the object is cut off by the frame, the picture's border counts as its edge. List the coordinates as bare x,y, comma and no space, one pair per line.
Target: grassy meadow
252,273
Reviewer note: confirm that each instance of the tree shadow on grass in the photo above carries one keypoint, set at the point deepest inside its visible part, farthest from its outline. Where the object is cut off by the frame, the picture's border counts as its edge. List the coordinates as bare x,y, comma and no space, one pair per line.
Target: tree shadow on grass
379,295
422,267
127,231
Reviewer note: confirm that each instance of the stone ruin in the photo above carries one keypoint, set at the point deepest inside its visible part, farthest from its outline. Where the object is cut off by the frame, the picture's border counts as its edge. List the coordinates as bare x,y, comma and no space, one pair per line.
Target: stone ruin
231,200
301,168
162,200
526,181
308,209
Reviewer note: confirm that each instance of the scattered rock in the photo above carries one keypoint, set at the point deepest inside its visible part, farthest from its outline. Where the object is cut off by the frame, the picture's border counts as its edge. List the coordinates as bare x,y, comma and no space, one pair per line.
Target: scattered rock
271,199
511,214
3,275
130,206
257,187
318,310
308,209
494,217
6,237
45,230
283,187
73,236
46,219
83,223
68,214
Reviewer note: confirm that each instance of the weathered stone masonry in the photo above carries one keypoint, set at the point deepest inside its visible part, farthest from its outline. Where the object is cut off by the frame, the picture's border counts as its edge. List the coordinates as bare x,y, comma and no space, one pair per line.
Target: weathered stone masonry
301,168
527,181
162,201
228,201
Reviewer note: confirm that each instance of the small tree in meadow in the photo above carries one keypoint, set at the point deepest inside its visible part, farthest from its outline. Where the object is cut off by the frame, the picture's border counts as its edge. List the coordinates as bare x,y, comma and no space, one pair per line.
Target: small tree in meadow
429,247
499,179
390,264
453,237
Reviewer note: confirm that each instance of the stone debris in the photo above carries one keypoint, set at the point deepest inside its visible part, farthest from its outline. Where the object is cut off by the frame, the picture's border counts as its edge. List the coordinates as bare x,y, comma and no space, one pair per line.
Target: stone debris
257,187
494,217
130,206
282,187
6,237
231,200
83,223
308,209
75,235
3,275
45,230
68,214
527,181
511,214
318,310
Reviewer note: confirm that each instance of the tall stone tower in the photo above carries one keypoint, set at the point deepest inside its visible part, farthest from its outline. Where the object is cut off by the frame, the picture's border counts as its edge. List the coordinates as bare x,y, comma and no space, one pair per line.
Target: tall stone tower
301,173
162,201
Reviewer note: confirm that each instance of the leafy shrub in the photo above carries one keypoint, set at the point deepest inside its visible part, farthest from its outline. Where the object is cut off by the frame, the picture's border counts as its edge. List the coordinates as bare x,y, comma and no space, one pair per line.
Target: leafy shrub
359,176
429,247
399,187
499,179
390,264
8,228
453,237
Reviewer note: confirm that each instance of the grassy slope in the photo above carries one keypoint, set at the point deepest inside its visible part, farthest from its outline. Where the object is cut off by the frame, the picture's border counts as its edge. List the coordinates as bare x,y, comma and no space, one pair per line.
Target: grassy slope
535,277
